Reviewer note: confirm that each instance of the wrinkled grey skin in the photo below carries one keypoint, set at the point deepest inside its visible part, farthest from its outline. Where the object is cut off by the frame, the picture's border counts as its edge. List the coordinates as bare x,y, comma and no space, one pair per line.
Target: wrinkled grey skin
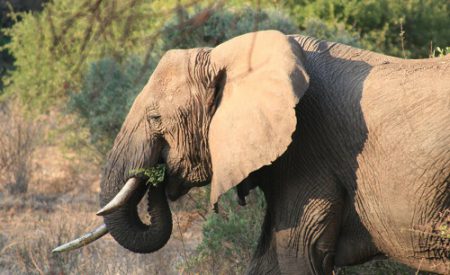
350,147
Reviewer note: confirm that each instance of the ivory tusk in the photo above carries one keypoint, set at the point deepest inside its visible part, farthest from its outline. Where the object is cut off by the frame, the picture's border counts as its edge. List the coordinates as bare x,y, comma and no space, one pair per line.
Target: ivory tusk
121,198
83,240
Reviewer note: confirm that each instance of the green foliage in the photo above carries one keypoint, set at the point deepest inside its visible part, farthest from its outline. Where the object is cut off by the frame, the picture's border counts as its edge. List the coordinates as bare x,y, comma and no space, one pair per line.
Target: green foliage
52,49
222,26
106,94
439,52
154,175
6,60
444,231
379,22
229,237
317,28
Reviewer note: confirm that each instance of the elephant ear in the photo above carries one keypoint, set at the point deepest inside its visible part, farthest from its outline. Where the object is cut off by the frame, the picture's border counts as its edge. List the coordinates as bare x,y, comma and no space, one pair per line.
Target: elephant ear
263,80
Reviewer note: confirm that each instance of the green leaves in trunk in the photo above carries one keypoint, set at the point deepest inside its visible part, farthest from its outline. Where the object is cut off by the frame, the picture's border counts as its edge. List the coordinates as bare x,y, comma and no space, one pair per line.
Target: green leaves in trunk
154,175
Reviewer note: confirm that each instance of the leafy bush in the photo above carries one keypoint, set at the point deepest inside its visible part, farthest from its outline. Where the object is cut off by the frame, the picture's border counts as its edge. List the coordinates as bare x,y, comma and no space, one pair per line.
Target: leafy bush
229,237
317,28
379,22
52,49
222,26
107,92
6,60
439,52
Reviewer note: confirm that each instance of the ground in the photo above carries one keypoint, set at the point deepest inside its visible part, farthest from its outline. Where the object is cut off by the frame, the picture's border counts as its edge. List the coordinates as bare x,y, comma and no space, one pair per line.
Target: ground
60,205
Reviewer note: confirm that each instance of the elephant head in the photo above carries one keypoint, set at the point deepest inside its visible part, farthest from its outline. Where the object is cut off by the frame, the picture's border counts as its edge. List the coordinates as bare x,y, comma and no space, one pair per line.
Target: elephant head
211,116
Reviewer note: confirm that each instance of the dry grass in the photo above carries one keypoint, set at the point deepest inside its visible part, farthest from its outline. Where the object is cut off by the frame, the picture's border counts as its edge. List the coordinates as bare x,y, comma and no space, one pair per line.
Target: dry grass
30,236
19,137
60,205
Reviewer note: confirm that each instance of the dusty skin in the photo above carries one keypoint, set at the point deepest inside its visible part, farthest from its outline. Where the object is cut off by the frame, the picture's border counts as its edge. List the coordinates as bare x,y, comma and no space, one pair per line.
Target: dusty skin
350,148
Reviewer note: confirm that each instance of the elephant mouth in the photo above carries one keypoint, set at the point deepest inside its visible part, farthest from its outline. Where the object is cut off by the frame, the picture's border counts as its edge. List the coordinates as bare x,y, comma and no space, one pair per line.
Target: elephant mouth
177,186
178,182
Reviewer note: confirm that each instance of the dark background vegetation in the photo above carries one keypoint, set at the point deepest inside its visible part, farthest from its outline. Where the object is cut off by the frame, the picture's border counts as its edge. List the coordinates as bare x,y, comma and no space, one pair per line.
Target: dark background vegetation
6,59
69,72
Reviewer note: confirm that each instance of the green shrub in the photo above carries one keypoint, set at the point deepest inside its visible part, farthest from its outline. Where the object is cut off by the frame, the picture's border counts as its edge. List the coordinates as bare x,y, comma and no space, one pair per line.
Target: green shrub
317,28
106,94
229,237
53,49
379,22
439,52
222,26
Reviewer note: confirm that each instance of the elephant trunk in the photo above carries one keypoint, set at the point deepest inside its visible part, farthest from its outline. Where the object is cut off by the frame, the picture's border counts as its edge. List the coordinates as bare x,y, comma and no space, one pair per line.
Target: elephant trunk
130,232
134,148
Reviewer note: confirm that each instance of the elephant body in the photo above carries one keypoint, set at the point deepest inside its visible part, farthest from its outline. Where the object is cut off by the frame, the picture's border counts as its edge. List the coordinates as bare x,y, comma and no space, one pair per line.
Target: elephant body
350,147
367,173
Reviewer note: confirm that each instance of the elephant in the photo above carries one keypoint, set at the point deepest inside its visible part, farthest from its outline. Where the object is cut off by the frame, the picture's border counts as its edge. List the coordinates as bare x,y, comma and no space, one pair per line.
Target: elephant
350,148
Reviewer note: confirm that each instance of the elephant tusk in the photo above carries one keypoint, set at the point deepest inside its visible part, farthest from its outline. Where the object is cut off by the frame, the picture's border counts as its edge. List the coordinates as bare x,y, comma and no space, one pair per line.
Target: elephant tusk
121,198
83,240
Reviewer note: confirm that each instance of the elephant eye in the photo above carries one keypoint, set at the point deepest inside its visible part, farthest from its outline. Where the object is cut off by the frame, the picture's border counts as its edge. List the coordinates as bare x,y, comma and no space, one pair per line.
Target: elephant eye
152,112
155,121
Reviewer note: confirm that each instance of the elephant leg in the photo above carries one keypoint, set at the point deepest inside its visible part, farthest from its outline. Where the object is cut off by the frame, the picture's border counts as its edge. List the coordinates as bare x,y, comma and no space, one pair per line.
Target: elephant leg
309,246
264,259
355,245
